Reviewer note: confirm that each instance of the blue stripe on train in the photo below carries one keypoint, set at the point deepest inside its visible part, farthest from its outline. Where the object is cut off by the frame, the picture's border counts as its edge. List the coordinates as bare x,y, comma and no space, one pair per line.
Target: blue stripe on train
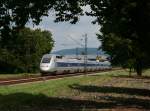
64,64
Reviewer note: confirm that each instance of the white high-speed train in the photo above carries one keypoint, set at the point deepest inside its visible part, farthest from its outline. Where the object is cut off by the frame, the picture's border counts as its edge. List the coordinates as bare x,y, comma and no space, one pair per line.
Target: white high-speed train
56,64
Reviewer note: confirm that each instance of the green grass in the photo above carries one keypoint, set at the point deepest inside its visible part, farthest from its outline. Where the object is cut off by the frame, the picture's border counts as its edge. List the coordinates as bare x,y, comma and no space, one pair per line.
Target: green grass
108,90
51,87
7,76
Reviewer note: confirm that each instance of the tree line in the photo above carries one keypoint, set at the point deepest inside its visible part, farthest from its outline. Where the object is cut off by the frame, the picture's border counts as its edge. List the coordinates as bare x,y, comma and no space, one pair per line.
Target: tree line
22,51
124,24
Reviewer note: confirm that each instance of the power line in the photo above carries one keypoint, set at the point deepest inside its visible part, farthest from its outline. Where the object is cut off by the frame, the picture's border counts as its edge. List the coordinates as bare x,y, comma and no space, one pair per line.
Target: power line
85,50
77,42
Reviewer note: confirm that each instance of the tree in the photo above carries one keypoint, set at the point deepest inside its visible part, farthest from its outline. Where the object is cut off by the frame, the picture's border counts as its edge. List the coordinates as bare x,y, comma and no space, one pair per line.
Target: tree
127,20
14,14
120,50
24,52
18,45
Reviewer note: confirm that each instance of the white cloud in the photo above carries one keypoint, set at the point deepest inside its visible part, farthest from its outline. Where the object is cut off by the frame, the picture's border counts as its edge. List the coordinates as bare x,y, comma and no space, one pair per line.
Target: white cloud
62,31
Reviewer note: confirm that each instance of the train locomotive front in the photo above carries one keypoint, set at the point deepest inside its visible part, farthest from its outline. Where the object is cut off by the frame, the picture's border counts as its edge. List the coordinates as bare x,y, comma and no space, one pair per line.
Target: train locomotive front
47,64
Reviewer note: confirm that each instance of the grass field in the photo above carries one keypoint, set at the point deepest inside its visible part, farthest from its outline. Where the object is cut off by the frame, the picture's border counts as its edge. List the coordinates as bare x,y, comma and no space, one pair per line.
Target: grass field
107,91
21,75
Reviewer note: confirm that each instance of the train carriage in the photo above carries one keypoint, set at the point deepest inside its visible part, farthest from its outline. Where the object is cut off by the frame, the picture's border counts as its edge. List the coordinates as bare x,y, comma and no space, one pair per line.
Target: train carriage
56,64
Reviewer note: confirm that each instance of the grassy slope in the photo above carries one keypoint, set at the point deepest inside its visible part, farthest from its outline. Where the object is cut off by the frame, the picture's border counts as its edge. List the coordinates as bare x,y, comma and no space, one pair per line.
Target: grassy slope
109,91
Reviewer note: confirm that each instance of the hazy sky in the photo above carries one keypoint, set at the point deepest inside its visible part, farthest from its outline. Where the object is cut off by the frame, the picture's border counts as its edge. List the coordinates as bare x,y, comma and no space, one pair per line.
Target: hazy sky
63,33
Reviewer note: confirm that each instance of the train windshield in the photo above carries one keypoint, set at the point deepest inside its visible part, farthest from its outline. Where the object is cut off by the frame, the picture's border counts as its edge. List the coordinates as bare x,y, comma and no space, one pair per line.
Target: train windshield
46,60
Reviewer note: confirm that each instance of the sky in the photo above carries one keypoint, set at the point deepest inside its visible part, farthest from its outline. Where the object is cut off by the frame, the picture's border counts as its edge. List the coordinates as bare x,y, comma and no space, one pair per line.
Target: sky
68,35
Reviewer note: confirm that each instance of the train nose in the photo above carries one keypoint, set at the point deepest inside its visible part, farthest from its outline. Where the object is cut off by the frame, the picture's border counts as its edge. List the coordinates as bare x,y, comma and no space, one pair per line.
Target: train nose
44,67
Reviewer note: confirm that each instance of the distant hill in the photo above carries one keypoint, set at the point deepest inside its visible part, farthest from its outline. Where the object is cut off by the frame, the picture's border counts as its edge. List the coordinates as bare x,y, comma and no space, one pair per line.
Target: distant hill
79,51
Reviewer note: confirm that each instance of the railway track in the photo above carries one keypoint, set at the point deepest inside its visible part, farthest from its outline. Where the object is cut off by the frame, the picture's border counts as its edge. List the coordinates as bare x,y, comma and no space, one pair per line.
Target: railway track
43,78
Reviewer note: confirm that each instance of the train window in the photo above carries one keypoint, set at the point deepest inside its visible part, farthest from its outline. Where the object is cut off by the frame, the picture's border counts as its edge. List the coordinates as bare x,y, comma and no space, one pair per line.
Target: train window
92,59
59,57
62,64
46,60
73,64
82,64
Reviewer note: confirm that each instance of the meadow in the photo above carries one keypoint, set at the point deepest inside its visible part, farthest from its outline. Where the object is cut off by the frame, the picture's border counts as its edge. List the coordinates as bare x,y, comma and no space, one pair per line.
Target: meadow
105,91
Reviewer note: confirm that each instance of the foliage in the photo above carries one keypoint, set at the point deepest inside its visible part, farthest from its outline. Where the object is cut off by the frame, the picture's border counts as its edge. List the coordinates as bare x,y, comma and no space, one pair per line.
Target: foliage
118,48
16,13
20,49
23,52
128,21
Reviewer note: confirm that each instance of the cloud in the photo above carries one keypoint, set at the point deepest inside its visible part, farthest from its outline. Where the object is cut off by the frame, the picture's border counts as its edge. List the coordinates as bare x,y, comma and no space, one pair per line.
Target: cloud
62,31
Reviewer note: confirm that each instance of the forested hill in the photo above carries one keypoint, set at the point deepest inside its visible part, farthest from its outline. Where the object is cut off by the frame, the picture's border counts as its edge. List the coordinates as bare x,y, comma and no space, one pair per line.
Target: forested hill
79,51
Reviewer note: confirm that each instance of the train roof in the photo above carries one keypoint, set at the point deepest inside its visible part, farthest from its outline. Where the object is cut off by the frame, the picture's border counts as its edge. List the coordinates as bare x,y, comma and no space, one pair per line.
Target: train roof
75,58
49,55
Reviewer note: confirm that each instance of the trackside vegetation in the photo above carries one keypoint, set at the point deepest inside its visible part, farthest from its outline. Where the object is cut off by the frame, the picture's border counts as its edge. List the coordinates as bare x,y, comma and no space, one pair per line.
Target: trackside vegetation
22,51
113,90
